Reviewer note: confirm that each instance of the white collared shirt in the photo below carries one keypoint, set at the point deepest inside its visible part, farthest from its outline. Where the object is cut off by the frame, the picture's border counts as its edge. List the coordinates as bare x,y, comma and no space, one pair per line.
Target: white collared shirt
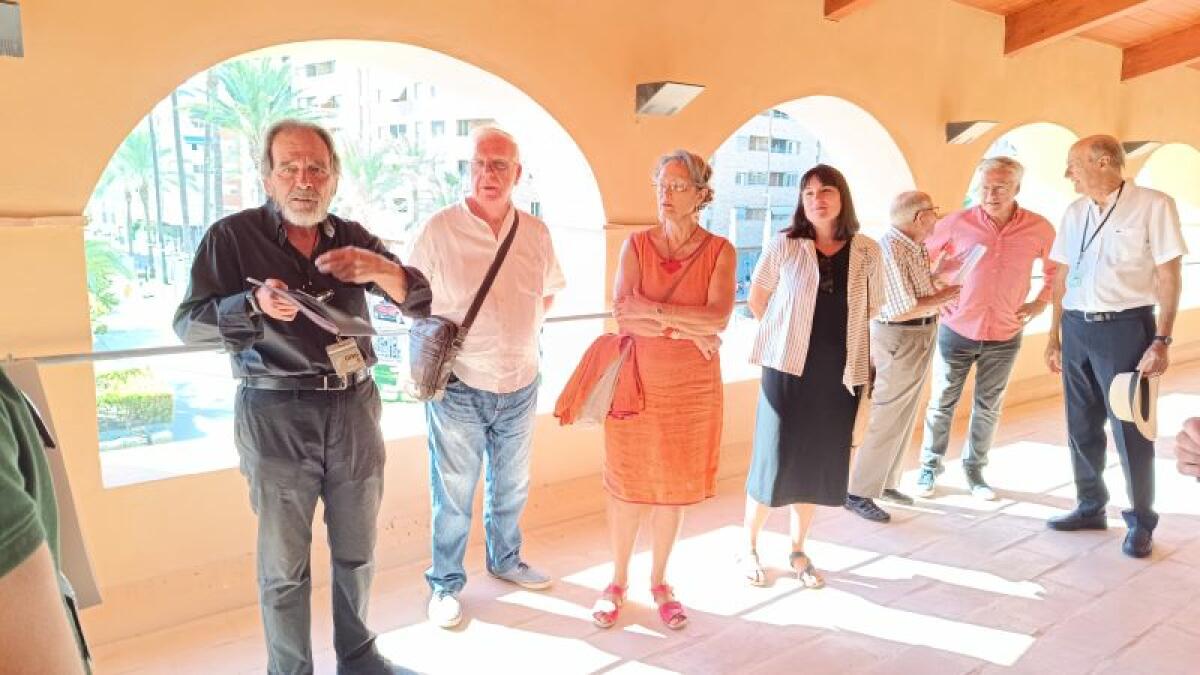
1117,271
454,250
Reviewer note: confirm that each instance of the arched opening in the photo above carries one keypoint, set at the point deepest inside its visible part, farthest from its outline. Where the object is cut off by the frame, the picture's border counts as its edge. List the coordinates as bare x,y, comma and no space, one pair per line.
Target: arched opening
756,176
1041,147
1174,169
401,117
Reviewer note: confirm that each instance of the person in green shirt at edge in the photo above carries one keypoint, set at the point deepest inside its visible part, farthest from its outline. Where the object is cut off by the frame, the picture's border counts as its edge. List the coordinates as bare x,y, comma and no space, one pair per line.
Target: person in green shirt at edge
37,634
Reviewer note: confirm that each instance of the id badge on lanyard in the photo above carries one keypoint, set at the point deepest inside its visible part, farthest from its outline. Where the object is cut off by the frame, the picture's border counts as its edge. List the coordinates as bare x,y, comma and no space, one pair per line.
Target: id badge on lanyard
1075,280
345,356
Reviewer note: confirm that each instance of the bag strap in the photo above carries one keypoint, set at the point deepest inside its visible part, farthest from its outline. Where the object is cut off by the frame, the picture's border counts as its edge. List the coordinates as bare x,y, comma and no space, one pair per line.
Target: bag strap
490,277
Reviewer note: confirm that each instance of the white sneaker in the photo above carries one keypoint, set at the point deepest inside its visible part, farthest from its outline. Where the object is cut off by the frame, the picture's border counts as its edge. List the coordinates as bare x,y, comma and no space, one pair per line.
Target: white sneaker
978,486
983,492
444,610
925,483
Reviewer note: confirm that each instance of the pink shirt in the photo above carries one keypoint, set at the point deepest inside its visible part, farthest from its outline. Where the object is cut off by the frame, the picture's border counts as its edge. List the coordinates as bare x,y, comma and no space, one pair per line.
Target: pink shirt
998,286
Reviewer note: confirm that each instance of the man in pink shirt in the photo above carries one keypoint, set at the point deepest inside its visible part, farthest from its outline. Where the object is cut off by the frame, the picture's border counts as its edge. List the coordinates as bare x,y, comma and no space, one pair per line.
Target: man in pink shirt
983,328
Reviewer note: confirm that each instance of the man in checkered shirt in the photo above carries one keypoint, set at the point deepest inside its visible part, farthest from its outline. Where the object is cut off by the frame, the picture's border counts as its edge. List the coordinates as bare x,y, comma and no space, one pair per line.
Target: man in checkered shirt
901,346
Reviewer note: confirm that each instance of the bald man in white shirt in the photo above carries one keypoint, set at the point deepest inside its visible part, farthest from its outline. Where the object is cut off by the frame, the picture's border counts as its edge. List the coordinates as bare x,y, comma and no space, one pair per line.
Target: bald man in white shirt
1121,246
485,421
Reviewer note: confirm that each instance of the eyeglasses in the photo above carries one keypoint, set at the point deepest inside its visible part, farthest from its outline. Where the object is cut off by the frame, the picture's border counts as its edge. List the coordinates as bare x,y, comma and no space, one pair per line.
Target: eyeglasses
999,189
825,268
497,166
937,212
678,185
321,295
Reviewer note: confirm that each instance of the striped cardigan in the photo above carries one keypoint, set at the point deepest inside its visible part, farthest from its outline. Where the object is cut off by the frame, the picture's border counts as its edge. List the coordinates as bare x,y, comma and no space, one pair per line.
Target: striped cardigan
788,270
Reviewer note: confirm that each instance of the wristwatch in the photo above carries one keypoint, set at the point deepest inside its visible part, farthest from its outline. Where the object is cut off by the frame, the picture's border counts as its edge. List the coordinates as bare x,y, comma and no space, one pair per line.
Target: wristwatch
252,303
1165,339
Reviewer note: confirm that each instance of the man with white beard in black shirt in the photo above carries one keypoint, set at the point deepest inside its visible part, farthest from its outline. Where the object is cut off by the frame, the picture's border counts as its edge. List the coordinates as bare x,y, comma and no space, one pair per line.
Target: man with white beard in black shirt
306,420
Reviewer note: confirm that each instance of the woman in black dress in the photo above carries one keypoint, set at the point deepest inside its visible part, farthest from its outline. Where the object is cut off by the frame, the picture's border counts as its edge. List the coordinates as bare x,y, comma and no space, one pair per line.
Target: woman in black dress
814,291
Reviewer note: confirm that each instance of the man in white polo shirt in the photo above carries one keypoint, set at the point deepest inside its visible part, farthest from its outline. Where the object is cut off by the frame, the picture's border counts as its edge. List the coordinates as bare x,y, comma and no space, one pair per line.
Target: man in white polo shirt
1121,247
486,418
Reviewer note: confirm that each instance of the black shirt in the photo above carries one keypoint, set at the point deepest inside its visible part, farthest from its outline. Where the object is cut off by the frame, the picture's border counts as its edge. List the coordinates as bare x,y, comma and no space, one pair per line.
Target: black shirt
254,243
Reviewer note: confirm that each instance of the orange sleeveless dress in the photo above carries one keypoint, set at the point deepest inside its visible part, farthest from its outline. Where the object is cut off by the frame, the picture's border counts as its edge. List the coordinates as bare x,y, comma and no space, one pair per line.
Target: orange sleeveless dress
667,454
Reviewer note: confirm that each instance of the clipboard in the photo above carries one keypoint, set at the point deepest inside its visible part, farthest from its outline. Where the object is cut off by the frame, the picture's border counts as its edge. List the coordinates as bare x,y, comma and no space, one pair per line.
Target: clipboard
328,318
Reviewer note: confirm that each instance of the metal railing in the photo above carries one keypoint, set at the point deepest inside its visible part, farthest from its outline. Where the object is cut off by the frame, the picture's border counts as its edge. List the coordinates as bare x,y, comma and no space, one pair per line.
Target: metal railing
171,350
139,352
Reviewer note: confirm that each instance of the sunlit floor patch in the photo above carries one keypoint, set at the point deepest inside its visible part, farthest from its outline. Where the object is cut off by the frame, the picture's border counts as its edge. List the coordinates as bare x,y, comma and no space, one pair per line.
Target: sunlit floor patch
895,568
638,668
544,602
492,648
718,587
834,609
639,629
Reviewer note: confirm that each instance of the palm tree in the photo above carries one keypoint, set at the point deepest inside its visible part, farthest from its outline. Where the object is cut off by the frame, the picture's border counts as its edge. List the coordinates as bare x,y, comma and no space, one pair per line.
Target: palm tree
105,265
429,183
251,95
181,171
446,186
210,137
371,175
155,153
133,169
130,168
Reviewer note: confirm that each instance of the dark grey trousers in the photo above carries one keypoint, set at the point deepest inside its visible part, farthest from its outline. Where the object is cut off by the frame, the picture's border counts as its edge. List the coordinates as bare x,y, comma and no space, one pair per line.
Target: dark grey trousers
1093,353
296,447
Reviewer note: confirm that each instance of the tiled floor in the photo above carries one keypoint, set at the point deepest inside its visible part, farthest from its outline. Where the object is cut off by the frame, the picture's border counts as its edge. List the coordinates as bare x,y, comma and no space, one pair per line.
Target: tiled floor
953,585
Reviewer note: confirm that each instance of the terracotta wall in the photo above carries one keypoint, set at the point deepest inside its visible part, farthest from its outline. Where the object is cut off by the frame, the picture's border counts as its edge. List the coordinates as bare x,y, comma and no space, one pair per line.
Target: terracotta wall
92,70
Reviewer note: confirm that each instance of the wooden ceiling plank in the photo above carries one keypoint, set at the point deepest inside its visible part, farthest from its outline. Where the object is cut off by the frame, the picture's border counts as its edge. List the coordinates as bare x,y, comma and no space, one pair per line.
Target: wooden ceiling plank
1163,52
1054,19
836,10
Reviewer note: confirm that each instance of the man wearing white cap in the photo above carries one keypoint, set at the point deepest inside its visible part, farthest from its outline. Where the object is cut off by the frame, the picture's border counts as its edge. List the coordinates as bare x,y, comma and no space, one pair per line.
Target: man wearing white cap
1121,247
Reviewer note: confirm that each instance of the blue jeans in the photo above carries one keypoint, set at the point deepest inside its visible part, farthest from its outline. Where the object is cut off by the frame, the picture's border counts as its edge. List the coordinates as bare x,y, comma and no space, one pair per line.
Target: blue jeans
297,447
469,429
993,361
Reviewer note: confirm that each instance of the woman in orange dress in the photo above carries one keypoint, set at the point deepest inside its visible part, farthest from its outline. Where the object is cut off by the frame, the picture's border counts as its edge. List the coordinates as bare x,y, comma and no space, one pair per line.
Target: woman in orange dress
673,294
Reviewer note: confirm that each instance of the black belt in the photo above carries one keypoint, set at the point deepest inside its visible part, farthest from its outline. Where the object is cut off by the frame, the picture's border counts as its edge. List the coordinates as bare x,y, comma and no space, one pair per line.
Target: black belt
312,383
923,321
1095,317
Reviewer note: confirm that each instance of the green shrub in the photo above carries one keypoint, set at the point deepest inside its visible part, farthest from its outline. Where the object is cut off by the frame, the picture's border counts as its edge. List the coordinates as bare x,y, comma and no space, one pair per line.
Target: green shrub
385,376
132,400
391,389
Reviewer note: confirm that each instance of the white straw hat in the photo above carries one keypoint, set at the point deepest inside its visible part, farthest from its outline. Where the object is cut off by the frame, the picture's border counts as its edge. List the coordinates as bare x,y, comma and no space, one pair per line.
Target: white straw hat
1134,399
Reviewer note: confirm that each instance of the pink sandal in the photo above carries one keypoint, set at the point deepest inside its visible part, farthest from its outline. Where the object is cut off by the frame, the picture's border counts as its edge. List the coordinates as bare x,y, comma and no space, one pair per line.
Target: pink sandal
669,609
608,607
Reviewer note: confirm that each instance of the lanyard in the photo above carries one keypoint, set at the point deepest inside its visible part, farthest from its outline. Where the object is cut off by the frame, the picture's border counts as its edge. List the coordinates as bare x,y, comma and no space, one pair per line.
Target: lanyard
304,266
1085,242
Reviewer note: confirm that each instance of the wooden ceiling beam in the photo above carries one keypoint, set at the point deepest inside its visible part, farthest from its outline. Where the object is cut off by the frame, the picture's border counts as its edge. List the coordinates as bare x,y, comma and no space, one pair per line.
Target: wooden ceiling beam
1169,50
836,10
1051,20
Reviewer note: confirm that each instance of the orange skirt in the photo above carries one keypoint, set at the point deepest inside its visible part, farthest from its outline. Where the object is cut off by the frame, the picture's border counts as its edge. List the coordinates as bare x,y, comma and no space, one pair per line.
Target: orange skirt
667,453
